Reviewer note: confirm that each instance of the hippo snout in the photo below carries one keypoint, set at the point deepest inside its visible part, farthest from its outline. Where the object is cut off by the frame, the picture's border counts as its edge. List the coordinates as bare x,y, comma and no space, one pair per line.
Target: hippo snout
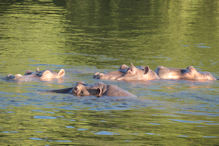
13,77
10,76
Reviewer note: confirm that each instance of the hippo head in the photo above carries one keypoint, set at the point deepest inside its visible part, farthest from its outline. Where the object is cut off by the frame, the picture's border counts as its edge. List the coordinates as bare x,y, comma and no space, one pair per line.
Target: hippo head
134,73
98,75
82,89
14,77
123,68
112,75
47,75
193,74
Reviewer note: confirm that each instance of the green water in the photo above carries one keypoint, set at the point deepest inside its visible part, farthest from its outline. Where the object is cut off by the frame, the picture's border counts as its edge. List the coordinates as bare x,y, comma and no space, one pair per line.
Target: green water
89,36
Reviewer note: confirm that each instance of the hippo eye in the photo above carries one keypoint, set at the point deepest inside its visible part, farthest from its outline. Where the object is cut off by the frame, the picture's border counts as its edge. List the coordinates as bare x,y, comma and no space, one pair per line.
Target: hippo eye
76,88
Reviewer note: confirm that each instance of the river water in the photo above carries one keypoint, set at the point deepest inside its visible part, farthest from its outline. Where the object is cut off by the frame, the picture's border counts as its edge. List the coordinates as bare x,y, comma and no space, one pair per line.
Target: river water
84,37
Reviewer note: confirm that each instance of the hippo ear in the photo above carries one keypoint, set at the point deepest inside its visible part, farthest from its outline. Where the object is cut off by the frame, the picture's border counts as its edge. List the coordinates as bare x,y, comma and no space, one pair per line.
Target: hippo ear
132,69
101,89
191,68
132,65
37,69
146,69
61,73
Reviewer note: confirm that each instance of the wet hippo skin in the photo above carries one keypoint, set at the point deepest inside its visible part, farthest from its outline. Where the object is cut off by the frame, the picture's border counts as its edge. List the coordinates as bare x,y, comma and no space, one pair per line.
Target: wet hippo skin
131,73
98,89
44,75
189,73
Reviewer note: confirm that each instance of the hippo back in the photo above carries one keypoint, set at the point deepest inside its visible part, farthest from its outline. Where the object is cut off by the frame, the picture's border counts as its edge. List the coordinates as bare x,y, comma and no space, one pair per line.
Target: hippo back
115,91
170,73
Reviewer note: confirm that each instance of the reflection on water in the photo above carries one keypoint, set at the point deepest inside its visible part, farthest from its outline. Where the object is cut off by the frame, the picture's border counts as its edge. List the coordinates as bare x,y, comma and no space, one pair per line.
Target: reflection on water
85,37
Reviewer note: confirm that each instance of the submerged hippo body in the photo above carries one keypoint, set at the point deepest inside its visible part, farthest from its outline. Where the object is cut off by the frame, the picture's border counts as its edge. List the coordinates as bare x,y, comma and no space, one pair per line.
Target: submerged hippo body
99,89
190,73
131,73
45,75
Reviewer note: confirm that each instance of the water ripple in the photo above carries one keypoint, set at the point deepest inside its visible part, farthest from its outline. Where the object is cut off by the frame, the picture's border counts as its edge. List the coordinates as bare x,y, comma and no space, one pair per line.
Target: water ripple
106,133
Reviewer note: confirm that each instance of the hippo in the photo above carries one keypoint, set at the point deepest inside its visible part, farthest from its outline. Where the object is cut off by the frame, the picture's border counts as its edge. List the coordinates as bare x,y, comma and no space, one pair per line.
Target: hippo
114,75
44,75
139,74
98,90
189,73
131,73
